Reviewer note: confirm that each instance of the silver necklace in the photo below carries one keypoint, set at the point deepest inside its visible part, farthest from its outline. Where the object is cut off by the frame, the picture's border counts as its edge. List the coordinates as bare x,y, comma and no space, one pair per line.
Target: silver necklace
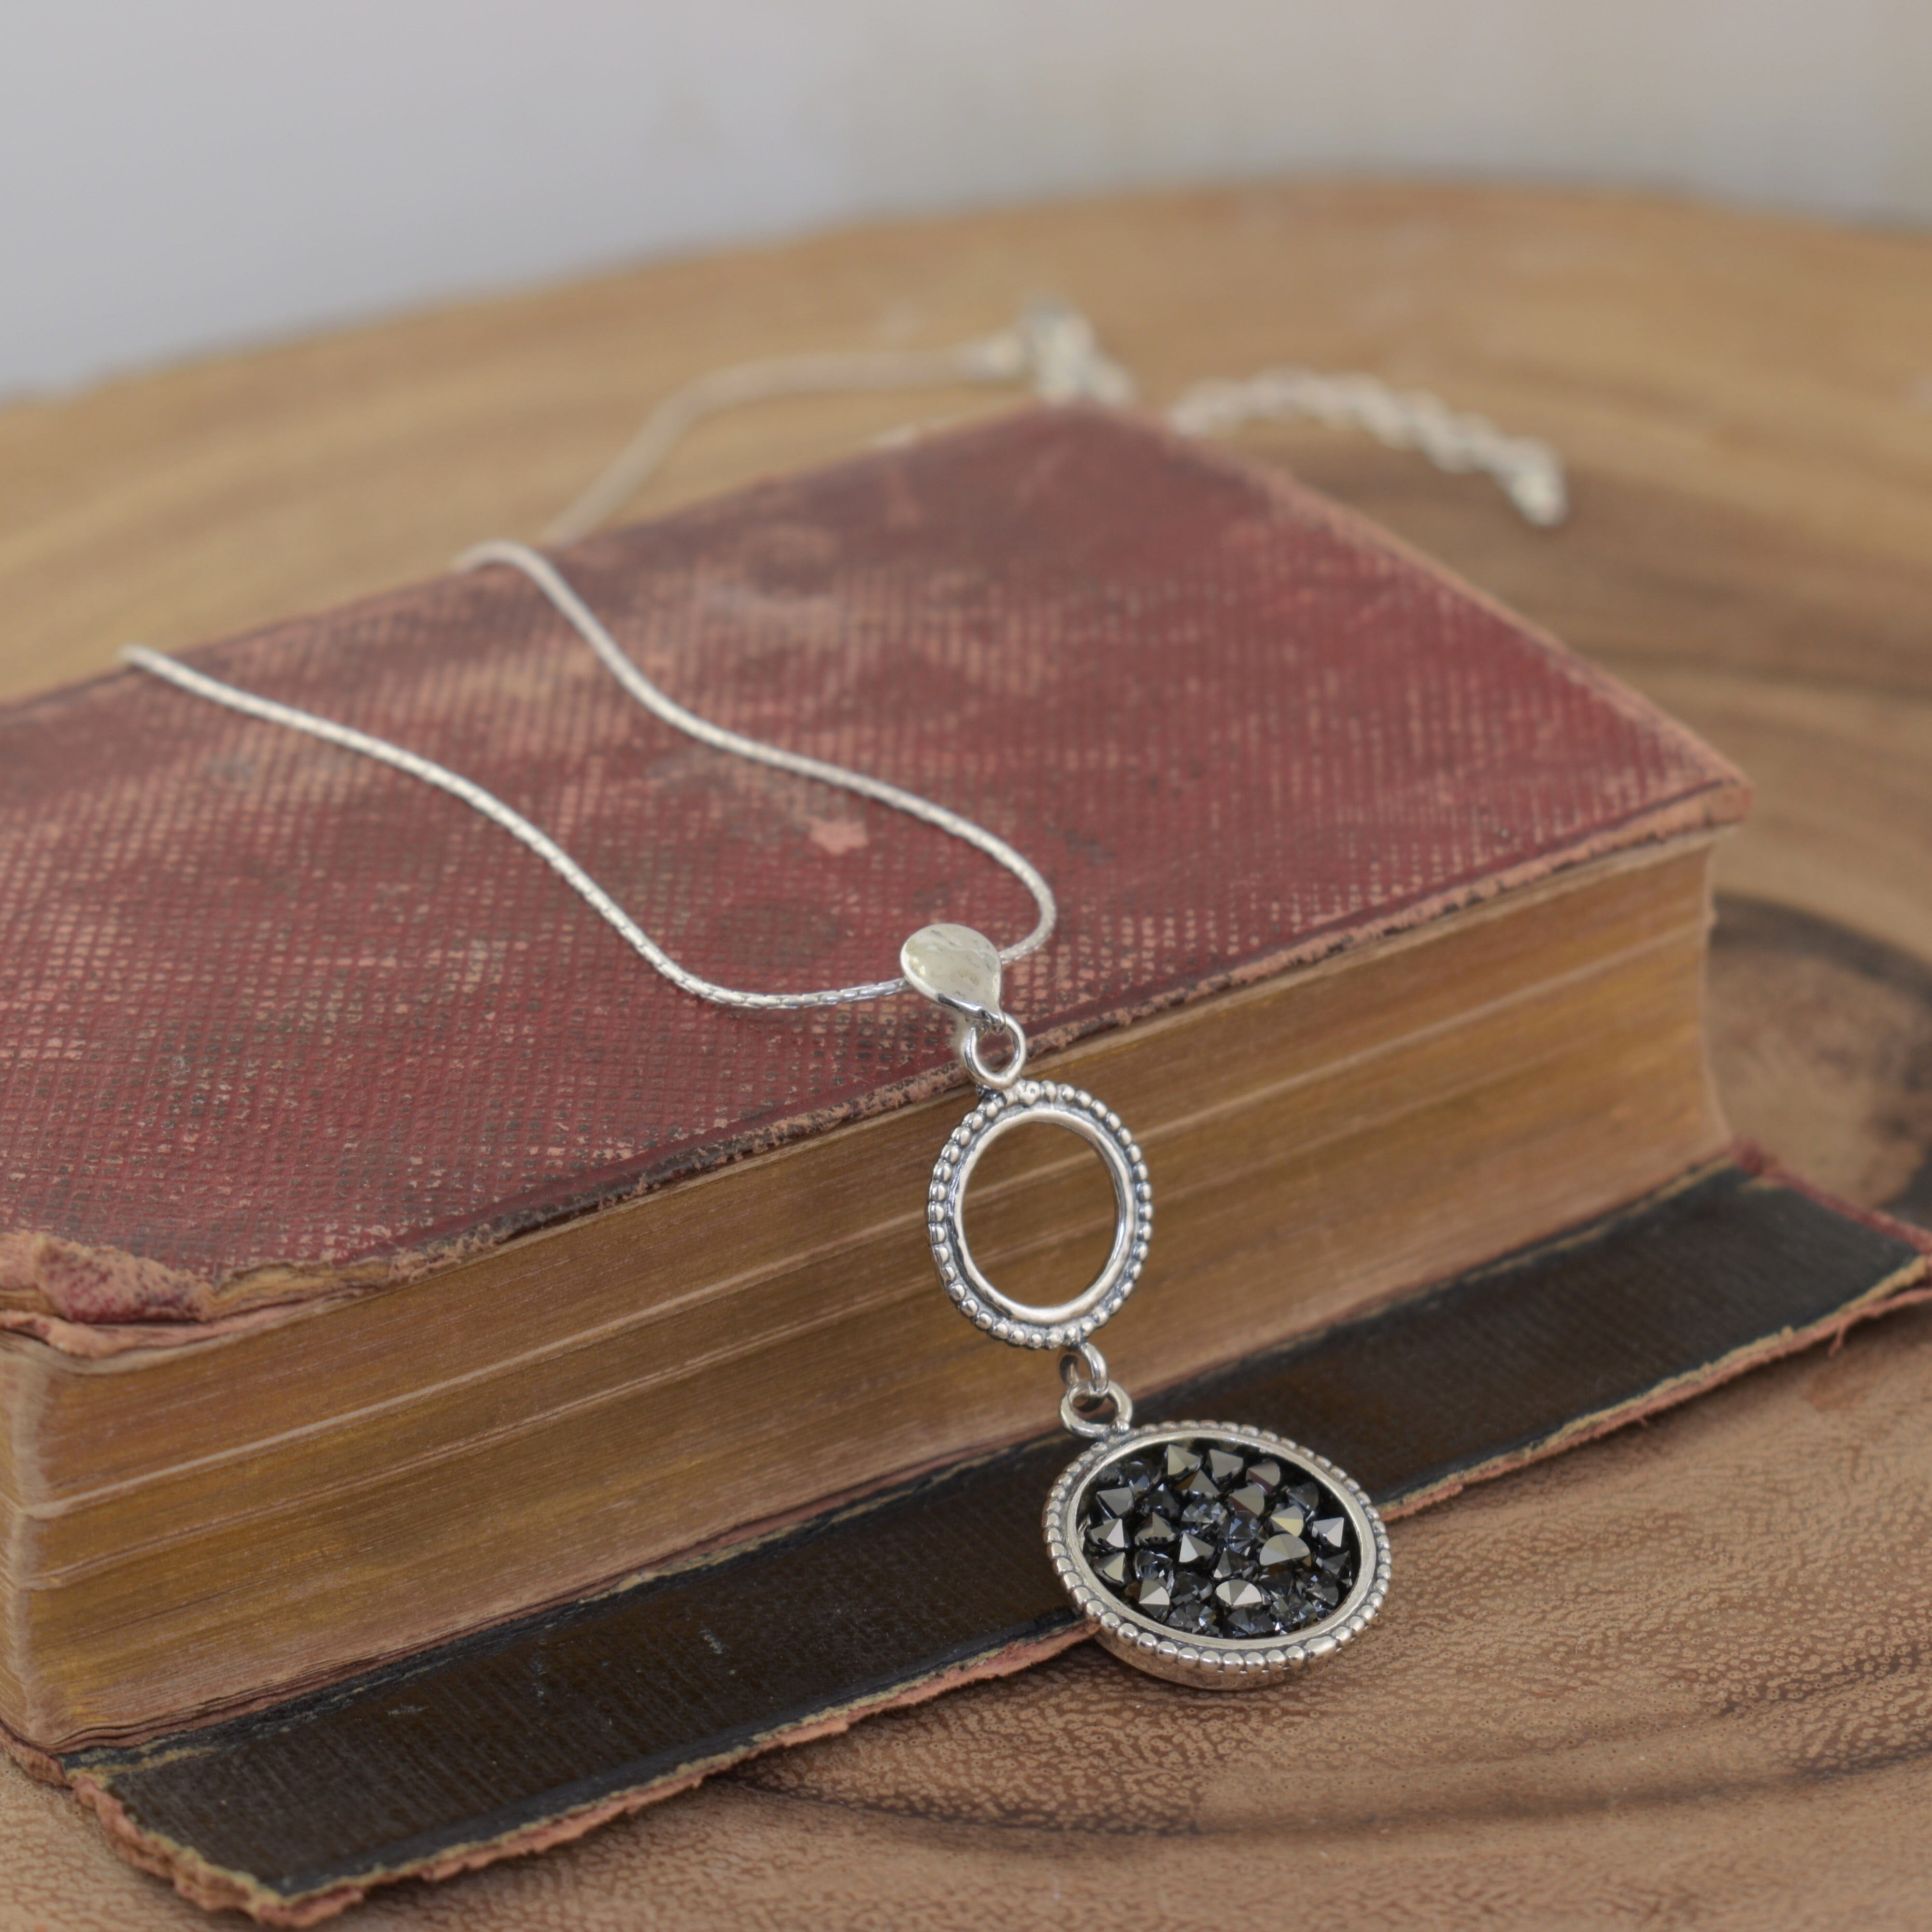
1211,1553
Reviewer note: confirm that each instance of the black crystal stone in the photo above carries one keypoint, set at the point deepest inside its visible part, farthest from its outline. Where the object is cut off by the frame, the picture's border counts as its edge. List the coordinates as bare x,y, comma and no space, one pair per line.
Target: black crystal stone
1163,1499
1283,1552
1241,1532
1205,1513
1291,1610
1151,1570
1196,1618
1192,1586
1210,1538
1246,1620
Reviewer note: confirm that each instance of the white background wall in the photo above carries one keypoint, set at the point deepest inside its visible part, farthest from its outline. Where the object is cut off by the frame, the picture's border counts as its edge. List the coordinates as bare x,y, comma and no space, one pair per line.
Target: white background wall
177,175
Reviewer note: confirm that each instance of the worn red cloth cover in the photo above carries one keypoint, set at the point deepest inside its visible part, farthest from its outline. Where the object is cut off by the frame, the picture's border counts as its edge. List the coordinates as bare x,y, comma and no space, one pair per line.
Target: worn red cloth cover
266,1005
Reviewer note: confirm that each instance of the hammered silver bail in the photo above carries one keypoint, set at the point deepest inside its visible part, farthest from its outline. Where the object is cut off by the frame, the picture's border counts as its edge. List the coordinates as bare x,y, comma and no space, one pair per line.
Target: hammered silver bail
955,967
958,969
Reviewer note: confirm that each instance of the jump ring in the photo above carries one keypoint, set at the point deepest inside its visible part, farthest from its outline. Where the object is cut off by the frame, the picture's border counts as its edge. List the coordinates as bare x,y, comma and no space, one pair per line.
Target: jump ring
1097,1382
999,1078
1117,1423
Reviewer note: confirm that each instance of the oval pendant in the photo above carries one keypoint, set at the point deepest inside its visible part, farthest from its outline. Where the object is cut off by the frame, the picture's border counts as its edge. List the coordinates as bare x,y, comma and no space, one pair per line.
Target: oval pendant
1068,1323
1215,1555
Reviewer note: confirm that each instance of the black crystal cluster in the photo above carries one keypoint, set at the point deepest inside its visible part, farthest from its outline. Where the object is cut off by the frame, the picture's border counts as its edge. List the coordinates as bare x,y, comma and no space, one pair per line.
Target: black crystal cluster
1216,1538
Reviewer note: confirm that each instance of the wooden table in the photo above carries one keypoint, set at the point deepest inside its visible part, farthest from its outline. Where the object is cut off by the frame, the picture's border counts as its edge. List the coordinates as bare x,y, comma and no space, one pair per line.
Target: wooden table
1684,1676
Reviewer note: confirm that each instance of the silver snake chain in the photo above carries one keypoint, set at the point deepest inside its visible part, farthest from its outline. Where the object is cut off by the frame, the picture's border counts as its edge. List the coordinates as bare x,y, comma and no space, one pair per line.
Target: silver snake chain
1052,348
551,581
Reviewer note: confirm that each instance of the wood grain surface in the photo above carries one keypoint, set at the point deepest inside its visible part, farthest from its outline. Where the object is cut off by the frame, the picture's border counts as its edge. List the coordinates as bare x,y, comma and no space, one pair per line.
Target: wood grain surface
1679,1676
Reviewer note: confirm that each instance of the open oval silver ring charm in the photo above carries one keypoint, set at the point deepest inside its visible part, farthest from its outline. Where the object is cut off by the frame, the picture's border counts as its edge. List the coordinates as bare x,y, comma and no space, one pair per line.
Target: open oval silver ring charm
1068,1323
1208,1552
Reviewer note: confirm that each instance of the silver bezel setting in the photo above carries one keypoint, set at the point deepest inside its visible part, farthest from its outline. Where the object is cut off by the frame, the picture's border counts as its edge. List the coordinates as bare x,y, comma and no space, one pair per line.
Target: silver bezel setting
1069,1322
1213,1664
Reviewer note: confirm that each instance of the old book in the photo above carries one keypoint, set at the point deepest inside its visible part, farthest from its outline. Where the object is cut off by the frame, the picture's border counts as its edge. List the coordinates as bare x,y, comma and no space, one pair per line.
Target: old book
389,1253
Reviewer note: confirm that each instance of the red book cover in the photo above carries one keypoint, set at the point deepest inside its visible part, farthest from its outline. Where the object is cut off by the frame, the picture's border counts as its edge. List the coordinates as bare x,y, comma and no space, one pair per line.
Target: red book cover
273,1016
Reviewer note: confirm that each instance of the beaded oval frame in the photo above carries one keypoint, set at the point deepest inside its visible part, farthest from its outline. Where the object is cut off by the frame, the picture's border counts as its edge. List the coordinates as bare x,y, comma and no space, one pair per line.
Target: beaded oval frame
975,1296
